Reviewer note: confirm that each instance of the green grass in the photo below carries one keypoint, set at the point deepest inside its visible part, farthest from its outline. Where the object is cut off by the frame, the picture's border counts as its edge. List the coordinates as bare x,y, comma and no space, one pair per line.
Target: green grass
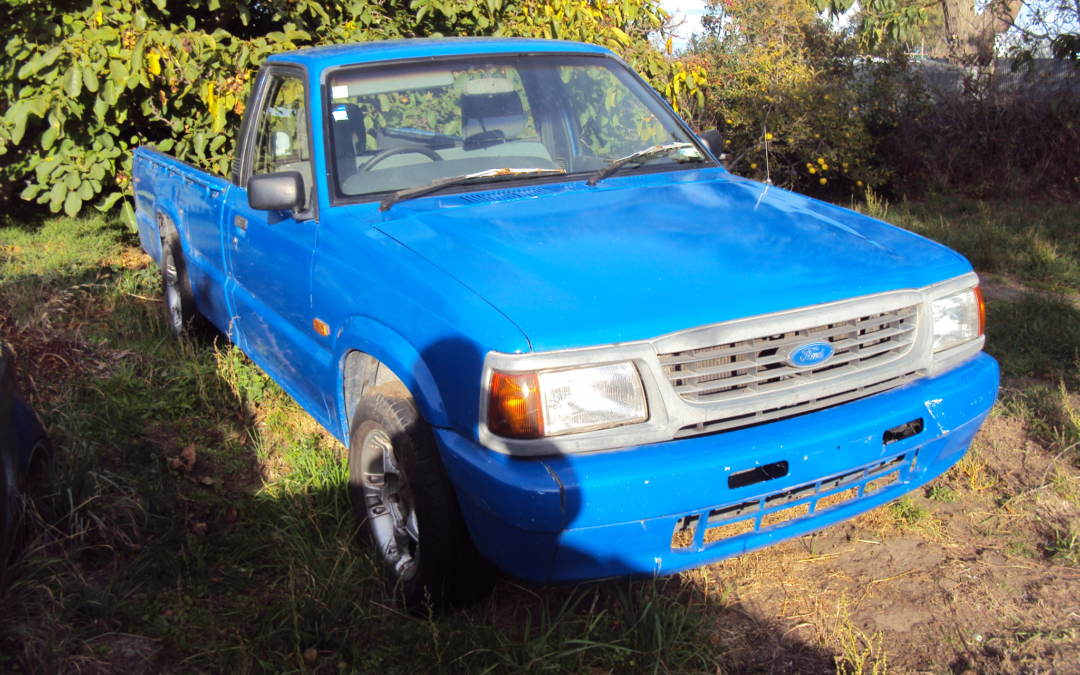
250,562
1035,336
57,247
1035,242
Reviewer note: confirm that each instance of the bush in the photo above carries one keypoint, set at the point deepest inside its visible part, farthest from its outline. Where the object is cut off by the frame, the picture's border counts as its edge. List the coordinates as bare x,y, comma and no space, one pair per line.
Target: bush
787,94
985,146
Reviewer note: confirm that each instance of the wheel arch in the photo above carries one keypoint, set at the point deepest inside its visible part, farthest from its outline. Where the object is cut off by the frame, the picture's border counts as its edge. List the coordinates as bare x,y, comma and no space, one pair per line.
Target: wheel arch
168,221
371,353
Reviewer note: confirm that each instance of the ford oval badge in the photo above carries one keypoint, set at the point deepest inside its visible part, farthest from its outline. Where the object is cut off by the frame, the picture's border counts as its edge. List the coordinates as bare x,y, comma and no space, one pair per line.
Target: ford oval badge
810,354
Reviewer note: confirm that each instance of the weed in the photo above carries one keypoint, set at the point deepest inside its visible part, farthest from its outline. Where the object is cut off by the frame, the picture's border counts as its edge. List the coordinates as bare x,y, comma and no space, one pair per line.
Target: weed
942,493
976,471
1064,544
859,654
1053,414
876,206
246,381
1019,549
907,512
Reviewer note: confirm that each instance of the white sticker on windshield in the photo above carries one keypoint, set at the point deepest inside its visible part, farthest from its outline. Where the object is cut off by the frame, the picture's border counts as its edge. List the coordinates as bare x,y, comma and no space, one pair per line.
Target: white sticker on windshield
690,152
341,114
339,92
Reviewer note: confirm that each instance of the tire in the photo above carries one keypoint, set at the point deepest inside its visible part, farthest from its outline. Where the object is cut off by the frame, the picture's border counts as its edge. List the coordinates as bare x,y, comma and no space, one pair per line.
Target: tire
22,466
181,314
9,508
407,507
35,448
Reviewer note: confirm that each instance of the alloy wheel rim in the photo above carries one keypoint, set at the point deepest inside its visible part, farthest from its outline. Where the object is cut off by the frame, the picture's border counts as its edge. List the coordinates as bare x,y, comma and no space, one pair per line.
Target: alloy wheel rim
389,504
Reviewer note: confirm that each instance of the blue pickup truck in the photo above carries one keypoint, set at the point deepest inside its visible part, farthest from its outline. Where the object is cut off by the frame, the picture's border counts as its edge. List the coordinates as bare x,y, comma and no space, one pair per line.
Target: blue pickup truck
555,334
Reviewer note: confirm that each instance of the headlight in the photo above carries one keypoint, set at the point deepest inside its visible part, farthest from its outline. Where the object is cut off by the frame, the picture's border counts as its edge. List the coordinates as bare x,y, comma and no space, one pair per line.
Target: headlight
958,318
550,403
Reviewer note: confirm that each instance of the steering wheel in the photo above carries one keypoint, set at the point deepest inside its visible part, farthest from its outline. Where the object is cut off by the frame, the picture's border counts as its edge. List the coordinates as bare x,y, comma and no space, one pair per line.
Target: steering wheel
401,150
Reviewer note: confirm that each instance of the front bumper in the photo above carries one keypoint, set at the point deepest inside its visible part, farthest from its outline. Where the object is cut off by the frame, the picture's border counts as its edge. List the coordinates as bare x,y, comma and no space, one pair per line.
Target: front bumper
609,514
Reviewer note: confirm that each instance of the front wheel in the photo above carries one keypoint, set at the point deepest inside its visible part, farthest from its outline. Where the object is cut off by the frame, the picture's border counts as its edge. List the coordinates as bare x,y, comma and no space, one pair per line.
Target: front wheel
407,507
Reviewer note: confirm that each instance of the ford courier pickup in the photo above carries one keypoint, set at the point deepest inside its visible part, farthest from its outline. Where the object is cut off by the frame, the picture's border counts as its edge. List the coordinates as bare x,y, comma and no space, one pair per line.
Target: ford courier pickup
555,334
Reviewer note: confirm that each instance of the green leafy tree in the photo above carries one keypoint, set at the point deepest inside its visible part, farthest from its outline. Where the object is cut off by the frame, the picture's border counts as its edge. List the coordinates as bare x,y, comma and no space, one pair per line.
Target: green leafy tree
970,27
83,83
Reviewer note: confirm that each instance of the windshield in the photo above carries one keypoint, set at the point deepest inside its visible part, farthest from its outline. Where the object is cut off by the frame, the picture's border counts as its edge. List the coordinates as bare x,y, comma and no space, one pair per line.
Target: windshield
400,127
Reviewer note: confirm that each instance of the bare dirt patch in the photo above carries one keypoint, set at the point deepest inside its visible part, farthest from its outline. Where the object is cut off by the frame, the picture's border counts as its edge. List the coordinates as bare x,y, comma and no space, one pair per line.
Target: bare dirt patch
969,587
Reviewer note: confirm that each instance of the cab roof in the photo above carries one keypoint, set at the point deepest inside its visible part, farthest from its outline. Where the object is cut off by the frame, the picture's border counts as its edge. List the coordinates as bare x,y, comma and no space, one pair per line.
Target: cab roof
317,59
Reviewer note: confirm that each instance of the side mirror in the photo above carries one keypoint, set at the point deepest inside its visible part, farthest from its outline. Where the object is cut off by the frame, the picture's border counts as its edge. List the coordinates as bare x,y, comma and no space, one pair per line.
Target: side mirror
276,191
713,141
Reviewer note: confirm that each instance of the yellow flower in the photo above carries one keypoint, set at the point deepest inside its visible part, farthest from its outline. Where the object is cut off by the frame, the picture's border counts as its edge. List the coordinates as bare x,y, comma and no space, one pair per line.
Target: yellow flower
753,166
824,167
823,181
859,183
844,165
813,170
817,135
820,160
768,137
730,122
727,142
809,165
854,108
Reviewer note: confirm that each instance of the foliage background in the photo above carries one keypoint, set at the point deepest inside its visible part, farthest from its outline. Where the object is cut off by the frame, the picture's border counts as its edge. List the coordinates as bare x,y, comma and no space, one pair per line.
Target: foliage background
825,111
832,112
84,83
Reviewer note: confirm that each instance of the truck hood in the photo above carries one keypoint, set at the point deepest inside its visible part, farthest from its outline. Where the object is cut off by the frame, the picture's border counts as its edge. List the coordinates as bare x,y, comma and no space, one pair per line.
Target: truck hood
642,256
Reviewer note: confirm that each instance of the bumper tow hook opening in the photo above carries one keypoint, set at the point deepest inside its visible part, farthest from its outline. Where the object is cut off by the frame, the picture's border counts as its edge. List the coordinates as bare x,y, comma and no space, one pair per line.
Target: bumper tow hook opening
906,430
757,475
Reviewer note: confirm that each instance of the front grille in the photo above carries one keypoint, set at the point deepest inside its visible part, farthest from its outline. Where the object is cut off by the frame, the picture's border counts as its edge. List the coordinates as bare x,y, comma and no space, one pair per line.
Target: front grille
799,408
758,365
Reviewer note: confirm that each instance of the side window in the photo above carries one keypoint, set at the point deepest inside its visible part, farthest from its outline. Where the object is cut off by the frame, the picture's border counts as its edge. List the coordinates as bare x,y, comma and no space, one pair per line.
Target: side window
281,135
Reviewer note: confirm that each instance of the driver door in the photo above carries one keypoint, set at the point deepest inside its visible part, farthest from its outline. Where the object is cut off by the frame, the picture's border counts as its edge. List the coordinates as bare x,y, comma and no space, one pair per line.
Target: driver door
270,252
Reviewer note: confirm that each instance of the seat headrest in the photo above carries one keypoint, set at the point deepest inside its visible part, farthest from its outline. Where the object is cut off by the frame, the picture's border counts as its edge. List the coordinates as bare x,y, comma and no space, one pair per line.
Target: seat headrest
348,129
490,106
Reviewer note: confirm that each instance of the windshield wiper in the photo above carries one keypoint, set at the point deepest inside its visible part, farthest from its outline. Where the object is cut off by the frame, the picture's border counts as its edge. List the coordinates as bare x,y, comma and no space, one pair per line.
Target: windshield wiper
641,156
436,185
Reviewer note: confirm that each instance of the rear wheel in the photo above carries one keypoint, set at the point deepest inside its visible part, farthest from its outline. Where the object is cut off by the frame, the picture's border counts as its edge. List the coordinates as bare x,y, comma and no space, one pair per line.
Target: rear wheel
180,311
407,506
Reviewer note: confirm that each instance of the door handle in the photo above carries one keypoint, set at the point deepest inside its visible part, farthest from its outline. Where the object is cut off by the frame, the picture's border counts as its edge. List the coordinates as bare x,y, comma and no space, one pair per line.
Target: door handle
240,222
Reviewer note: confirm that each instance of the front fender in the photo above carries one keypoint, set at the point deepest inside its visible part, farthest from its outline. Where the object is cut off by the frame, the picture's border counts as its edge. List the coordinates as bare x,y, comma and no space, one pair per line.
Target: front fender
378,340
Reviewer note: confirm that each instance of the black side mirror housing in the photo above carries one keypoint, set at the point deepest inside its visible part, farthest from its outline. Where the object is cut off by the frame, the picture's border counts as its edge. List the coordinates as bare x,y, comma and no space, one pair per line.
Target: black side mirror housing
713,141
276,191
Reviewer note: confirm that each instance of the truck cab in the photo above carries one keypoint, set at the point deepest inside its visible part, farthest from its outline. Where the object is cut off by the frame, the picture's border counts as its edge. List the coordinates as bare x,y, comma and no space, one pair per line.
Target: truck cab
558,338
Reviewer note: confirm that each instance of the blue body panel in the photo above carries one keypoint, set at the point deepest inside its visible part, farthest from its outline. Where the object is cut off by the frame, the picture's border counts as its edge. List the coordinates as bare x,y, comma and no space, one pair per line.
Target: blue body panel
433,285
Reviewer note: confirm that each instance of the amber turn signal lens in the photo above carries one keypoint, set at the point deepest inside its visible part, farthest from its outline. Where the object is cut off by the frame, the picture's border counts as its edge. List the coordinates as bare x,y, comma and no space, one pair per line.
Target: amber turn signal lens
982,309
514,408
